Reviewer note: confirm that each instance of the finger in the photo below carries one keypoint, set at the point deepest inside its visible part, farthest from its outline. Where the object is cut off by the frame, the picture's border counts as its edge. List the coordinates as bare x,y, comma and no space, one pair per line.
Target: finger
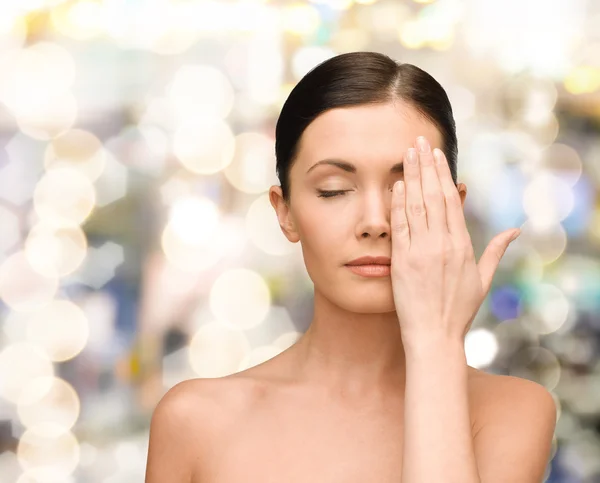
455,218
433,196
415,208
400,228
490,259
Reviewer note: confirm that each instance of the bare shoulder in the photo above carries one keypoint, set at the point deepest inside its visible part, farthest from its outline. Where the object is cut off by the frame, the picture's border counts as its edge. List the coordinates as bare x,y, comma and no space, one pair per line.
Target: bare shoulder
499,397
185,422
516,420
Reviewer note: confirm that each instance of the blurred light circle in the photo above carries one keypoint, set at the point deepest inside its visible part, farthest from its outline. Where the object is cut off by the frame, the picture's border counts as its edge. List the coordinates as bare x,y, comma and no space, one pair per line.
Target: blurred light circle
64,196
240,298
536,364
548,241
258,355
35,75
48,452
582,79
21,287
262,226
578,276
48,118
533,99
285,341
201,88
412,35
564,163
13,32
253,167
511,335
21,365
545,132
204,145
547,199
11,231
548,308
61,328
216,350
79,150
55,251
189,256
143,148
300,18
194,219
481,347
335,4
306,58
57,403
82,20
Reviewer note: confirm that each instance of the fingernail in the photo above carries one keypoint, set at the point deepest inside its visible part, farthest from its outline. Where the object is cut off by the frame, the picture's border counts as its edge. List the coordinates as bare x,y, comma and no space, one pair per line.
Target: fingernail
423,144
412,155
437,154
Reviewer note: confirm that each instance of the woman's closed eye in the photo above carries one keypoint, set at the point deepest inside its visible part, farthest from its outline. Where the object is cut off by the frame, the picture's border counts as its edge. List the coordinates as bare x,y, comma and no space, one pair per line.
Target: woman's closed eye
330,193
333,193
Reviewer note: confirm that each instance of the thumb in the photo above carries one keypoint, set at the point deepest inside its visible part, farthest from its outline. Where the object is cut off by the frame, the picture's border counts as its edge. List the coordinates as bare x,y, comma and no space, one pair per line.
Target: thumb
488,263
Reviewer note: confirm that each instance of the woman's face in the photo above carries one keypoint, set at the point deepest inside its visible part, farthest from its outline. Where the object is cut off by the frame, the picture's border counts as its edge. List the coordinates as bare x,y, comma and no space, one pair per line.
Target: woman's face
335,230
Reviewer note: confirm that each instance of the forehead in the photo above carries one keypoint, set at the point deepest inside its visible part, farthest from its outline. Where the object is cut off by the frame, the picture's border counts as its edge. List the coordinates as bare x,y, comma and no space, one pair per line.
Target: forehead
369,132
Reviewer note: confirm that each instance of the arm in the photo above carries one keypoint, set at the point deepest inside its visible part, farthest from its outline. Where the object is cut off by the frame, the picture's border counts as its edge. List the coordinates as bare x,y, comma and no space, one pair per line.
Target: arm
514,440
170,450
438,445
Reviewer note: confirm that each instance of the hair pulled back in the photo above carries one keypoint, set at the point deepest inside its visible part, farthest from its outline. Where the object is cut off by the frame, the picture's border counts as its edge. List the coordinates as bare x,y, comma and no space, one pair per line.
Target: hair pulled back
352,79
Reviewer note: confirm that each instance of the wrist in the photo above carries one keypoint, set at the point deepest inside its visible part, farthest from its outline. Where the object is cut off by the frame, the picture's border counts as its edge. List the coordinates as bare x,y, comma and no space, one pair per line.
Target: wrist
433,343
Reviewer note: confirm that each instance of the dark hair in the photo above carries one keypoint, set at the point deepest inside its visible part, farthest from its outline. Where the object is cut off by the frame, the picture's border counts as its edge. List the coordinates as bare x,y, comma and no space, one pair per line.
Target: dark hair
357,78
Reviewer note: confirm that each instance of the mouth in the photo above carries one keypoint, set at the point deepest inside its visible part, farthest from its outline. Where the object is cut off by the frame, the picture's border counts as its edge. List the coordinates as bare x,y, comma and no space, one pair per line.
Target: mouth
371,270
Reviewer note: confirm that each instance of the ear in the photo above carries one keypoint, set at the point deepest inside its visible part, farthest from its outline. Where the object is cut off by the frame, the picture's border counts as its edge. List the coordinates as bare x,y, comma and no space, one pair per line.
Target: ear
284,215
462,191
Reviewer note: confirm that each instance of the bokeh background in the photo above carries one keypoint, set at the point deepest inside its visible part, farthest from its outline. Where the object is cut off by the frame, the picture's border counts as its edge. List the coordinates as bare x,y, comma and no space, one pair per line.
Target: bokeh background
138,247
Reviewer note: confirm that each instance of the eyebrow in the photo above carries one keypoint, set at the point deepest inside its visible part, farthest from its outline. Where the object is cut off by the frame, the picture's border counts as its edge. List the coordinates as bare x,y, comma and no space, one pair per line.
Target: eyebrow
349,167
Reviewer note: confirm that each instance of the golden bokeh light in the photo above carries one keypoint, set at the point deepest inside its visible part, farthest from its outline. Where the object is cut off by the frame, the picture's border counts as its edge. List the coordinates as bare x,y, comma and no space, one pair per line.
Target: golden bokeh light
23,364
80,20
49,118
300,18
549,309
55,251
21,287
204,145
216,350
64,197
79,150
194,219
253,167
200,89
48,453
53,401
262,226
61,328
240,298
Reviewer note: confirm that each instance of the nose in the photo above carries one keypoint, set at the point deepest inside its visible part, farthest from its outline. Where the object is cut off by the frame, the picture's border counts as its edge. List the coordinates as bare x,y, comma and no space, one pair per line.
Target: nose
375,219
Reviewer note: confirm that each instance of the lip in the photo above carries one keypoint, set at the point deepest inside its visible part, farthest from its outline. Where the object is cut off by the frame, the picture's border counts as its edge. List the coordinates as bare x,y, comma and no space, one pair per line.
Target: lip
370,271
370,260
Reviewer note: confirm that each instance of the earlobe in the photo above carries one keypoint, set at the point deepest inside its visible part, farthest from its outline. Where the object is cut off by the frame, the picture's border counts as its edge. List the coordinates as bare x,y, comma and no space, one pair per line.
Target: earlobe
284,216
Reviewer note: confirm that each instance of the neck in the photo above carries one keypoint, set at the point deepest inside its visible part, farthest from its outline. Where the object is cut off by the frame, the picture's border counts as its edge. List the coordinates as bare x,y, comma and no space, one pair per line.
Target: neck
351,354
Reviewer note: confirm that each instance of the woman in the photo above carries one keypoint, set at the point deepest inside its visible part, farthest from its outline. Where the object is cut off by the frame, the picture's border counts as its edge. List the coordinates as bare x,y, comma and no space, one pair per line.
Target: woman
378,388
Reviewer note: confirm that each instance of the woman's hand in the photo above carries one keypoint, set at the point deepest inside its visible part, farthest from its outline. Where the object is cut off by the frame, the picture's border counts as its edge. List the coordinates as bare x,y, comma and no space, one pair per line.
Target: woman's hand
437,285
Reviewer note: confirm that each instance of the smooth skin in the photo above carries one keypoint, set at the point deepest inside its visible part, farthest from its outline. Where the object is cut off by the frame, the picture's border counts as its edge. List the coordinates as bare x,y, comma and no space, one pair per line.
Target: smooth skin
355,399
433,262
